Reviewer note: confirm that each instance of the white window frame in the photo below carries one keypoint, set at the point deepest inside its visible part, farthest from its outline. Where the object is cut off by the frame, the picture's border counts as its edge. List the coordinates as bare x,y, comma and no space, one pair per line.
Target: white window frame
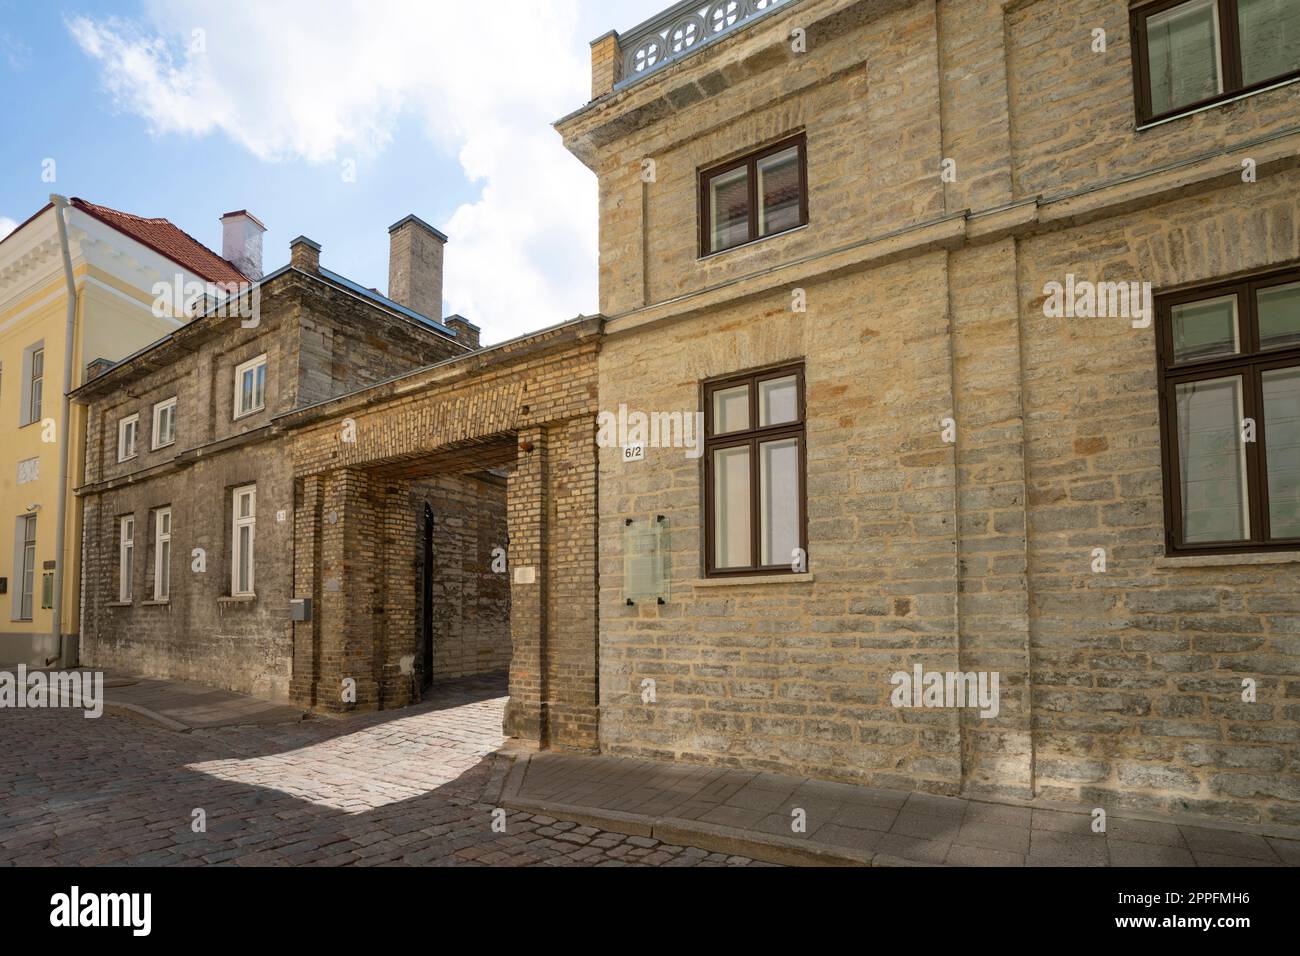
27,580
236,547
125,557
250,366
161,565
157,416
33,384
132,422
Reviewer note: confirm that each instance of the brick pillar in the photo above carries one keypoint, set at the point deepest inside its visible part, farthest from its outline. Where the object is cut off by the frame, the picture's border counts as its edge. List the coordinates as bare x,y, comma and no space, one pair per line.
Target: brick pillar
347,620
572,545
997,753
606,64
308,498
526,510
398,586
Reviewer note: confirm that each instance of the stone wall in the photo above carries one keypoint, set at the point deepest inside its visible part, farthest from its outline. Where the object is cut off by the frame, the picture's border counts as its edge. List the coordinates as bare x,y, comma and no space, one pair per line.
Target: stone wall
925,302
320,340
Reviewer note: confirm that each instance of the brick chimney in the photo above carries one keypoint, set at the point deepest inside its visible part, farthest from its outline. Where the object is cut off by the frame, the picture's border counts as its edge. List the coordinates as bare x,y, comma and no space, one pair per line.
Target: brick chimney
415,266
467,333
241,242
305,255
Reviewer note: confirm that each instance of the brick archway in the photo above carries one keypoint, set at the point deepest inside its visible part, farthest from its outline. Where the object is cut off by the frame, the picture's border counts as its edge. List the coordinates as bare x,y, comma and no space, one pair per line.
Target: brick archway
523,413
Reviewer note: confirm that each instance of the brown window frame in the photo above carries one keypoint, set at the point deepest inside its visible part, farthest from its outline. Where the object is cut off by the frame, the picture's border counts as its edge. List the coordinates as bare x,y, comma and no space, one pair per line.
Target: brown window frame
1230,49
750,160
752,437
1250,363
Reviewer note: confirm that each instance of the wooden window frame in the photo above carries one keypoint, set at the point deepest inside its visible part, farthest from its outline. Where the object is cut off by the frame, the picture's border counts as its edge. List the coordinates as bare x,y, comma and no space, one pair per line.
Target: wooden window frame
27,591
158,409
1250,364
1230,52
750,161
125,569
236,550
251,365
131,422
36,386
753,437
161,566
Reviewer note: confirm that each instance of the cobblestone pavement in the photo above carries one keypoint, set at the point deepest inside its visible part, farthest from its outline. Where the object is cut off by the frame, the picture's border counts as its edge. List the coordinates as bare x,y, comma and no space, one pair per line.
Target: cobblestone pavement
410,787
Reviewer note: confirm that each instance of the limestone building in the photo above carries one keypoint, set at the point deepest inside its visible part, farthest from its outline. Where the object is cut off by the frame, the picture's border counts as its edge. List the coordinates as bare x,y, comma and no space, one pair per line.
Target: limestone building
897,254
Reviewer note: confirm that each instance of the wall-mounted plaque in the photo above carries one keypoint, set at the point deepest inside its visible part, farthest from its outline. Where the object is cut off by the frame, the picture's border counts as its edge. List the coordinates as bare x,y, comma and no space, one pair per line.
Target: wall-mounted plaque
645,560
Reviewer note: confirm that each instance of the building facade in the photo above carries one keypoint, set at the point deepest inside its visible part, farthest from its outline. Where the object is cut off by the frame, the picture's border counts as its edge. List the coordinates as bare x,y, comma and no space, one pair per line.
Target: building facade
991,320
189,488
114,262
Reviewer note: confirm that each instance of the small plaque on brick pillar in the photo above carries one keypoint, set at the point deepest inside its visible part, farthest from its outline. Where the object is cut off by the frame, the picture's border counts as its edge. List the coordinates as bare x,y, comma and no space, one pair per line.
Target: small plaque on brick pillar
645,560
526,575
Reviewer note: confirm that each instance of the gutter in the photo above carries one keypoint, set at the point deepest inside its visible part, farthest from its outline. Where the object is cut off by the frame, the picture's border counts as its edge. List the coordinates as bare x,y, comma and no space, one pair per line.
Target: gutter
61,522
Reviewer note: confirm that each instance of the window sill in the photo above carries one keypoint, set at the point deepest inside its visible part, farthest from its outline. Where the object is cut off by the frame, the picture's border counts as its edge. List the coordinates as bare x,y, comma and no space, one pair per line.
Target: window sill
248,414
123,461
163,603
161,447
753,580
1230,98
751,242
120,604
1227,560
237,599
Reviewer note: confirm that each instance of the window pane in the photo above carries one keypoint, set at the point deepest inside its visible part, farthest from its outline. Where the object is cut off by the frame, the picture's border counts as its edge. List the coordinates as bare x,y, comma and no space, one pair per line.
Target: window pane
1279,313
1282,434
1206,329
1183,55
778,401
1212,461
245,557
778,192
259,388
246,398
164,576
731,410
731,508
729,209
779,491
1270,38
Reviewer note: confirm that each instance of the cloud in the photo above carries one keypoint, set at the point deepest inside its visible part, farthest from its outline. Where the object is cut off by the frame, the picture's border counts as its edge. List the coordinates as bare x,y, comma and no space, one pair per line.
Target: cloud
7,226
319,81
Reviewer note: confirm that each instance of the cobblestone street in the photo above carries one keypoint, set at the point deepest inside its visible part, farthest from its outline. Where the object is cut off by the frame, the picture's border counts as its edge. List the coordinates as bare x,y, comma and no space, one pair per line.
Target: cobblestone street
410,787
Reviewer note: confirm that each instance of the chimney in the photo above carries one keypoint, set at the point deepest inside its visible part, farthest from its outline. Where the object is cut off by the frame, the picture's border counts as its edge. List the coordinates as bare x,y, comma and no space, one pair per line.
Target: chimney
415,266
467,333
241,242
305,255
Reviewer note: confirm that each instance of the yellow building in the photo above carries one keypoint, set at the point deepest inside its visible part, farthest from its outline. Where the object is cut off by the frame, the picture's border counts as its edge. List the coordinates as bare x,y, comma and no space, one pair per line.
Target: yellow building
128,273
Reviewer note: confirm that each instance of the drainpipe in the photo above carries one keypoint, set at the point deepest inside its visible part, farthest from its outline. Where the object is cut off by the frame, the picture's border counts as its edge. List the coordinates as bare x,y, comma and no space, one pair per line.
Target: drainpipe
56,628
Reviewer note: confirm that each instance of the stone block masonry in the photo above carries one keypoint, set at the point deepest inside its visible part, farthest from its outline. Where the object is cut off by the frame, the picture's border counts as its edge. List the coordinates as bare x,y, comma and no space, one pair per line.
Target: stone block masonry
925,301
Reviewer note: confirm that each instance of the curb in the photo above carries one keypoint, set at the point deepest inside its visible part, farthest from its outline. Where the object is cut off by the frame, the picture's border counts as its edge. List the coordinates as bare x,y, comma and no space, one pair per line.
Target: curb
765,847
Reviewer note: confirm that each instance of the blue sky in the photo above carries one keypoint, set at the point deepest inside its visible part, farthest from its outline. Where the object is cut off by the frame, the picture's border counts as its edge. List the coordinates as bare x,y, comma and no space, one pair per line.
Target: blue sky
191,108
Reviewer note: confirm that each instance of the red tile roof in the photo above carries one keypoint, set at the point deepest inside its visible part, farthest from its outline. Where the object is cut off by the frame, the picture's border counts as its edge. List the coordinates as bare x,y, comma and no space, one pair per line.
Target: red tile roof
166,239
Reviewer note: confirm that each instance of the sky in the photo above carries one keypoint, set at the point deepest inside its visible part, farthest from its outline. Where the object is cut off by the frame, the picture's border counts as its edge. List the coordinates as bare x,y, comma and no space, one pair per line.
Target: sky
331,119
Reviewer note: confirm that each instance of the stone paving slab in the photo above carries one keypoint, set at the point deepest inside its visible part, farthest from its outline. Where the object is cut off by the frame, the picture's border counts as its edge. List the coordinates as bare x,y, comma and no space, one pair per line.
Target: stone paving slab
183,706
754,813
